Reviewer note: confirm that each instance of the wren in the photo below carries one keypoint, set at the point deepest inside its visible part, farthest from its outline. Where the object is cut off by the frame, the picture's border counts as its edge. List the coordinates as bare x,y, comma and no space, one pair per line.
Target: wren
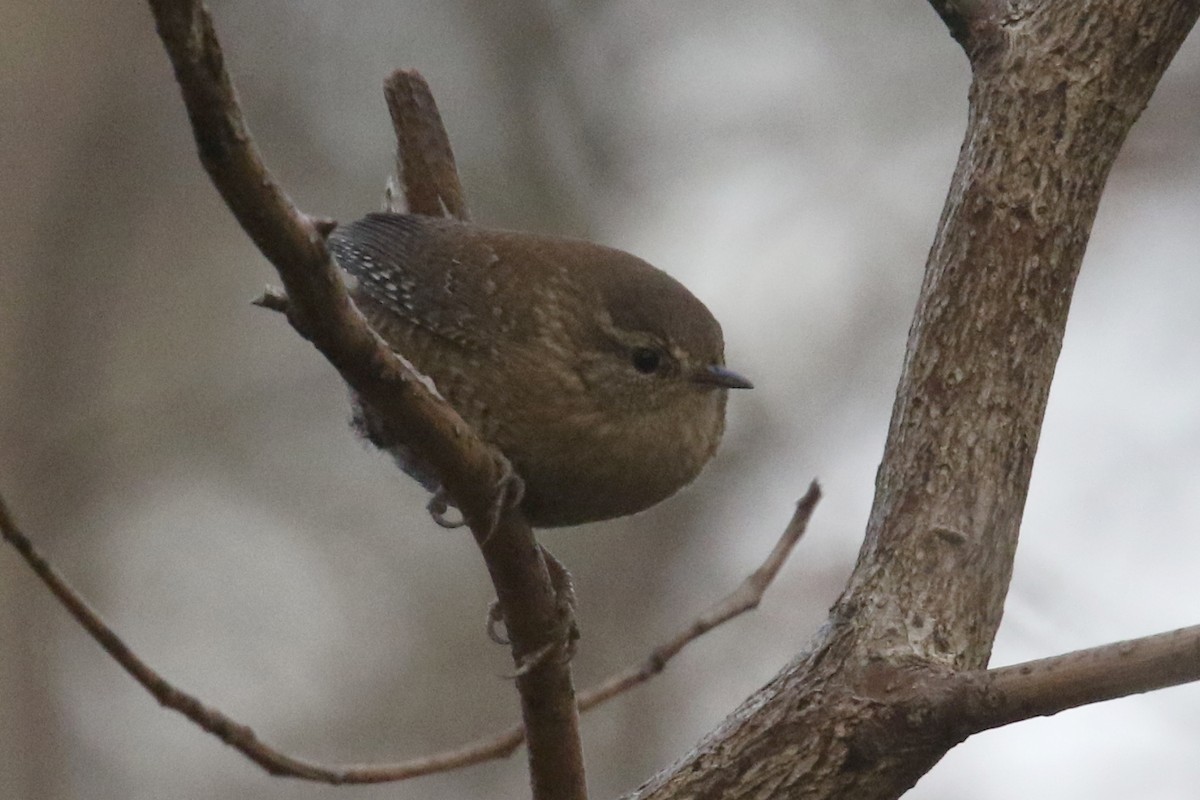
600,377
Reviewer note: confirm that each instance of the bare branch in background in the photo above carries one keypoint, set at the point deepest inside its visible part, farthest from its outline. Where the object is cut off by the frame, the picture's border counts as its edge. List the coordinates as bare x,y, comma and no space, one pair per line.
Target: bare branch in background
228,730
242,738
745,598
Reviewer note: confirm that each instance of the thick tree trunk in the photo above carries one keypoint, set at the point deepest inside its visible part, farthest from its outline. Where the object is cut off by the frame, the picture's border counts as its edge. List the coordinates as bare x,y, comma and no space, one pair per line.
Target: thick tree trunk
1056,88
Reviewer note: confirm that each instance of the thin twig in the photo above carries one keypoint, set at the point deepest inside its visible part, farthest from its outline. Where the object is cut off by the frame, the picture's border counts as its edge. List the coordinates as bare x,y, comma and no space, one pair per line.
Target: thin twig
742,599
500,745
424,160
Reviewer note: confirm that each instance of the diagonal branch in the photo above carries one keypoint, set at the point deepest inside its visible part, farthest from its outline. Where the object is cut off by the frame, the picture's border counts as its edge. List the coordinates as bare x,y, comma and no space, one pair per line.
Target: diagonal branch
745,597
318,304
474,474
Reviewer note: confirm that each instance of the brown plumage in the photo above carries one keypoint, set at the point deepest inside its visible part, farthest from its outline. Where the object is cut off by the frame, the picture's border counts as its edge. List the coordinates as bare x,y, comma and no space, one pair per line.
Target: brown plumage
600,377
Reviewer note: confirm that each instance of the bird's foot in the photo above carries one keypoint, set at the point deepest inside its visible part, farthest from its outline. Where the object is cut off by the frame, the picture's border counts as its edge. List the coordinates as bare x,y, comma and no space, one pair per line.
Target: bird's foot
565,638
437,507
510,491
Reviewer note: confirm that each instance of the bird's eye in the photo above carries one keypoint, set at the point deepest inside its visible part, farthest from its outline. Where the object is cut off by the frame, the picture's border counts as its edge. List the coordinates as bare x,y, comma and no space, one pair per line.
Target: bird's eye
646,360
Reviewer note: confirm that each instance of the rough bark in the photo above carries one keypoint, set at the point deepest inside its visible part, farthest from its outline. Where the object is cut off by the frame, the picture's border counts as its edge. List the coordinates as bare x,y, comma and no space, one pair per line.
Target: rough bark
1056,87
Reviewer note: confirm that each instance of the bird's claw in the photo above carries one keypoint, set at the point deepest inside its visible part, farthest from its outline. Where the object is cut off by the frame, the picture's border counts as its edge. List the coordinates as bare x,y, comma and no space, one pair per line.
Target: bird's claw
495,617
437,507
565,639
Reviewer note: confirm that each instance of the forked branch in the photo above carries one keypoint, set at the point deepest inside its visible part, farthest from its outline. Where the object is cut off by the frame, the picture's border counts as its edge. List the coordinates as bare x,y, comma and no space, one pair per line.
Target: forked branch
1056,87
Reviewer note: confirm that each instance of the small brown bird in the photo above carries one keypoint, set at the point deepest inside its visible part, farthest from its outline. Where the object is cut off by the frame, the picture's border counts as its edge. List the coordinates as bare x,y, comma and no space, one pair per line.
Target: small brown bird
601,378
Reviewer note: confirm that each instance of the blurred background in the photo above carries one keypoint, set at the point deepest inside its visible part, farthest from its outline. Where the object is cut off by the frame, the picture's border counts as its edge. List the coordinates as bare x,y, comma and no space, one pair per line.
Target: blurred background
185,459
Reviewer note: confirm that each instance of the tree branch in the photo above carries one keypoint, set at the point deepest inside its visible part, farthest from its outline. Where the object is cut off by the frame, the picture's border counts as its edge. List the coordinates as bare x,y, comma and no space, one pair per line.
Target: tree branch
233,733
1050,685
240,736
974,23
1048,113
476,476
744,598
931,708
956,15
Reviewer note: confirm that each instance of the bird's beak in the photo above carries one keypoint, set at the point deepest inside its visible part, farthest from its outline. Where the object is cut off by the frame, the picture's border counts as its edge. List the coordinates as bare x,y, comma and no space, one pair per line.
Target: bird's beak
717,375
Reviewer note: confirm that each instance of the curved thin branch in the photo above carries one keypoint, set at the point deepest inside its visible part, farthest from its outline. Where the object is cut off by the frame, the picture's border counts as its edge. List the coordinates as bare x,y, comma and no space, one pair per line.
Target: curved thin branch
242,738
235,734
